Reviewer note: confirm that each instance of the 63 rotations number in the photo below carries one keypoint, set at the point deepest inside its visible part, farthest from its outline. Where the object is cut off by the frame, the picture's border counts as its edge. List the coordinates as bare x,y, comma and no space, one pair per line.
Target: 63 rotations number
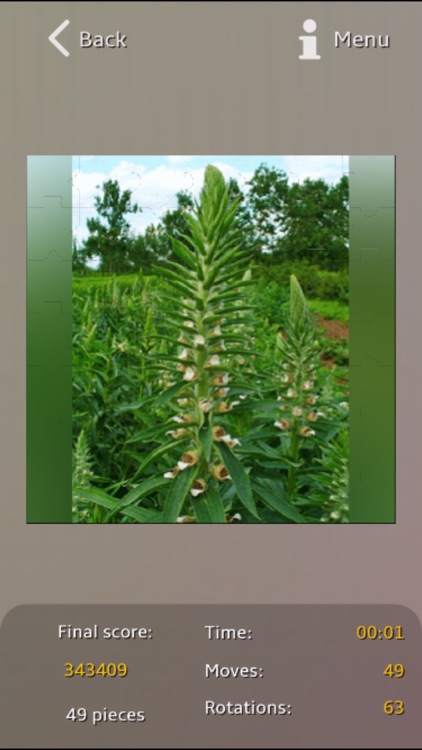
394,708
89,669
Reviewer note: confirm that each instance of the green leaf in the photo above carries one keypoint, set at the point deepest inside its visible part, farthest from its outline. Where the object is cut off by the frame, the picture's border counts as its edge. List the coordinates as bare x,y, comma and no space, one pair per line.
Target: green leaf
266,406
280,464
257,435
209,507
205,436
143,515
273,495
137,493
155,454
177,494
197,235
98,497
239,477
169,393
176,283
224,260
183,253
137,406
271,516
148,435
298,307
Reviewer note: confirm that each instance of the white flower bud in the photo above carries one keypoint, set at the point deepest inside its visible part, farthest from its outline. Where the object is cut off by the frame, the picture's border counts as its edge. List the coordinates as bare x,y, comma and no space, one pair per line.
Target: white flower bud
198,487
220,472
181,432
186,519
311,400
231,442
221,379
283,425
171,474
205,405
190,374
307,432
312,416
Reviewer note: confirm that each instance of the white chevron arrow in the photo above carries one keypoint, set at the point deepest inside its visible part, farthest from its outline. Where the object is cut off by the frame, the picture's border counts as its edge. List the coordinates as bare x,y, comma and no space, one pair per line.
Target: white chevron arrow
53,38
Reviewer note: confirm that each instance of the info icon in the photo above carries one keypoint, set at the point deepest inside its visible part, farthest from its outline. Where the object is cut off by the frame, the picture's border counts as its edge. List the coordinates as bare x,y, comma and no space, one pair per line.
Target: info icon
309,42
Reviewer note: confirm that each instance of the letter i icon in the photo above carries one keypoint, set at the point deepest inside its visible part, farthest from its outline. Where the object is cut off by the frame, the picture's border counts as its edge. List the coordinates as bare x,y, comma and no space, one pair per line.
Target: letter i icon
309,43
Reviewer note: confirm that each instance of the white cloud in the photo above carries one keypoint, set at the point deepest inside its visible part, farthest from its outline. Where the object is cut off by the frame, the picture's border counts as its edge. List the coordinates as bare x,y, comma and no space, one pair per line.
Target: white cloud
328,168
154,190
228,171
179,159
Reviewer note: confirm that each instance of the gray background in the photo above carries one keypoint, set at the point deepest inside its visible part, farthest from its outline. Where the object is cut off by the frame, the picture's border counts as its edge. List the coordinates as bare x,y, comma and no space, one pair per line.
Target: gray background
209,78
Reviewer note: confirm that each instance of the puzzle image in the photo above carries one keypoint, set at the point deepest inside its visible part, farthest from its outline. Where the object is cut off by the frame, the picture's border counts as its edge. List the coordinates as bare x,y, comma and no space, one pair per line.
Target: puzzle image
211,340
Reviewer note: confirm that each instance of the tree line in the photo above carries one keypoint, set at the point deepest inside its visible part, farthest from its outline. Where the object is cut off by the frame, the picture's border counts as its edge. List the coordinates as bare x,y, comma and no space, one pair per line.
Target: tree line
281,222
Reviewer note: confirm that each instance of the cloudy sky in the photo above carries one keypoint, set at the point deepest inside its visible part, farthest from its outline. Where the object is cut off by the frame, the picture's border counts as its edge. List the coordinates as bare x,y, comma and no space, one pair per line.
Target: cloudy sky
155,180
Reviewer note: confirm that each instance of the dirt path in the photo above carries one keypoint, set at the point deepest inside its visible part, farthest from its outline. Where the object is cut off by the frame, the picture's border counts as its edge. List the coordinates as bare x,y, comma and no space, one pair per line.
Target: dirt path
334,329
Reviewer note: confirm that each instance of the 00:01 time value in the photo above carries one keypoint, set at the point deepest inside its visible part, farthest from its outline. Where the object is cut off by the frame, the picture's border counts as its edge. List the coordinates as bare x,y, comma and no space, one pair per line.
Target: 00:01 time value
92,670
372,633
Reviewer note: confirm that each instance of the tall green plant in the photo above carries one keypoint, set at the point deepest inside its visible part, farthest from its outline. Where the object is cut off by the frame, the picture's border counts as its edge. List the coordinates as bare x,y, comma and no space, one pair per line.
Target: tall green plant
298,400
334,478
208,303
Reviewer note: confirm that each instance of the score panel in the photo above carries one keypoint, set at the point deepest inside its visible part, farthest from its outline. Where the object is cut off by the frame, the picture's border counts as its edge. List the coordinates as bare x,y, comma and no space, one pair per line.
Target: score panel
211,676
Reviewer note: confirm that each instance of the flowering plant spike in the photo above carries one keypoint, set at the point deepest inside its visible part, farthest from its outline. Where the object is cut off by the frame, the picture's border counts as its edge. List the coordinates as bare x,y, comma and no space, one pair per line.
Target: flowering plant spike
208,282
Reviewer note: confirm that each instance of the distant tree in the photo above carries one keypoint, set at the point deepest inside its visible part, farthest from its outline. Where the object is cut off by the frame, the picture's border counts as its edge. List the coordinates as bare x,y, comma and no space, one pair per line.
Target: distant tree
109,232
267,196
173,224
141,255
303,221
316,223
78,258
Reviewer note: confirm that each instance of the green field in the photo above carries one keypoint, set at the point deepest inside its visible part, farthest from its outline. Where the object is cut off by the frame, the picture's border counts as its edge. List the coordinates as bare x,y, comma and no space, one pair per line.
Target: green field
211,391
121,410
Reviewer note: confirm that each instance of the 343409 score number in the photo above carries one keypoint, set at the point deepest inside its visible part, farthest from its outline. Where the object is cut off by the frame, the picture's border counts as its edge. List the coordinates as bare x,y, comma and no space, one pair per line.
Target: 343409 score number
92,670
